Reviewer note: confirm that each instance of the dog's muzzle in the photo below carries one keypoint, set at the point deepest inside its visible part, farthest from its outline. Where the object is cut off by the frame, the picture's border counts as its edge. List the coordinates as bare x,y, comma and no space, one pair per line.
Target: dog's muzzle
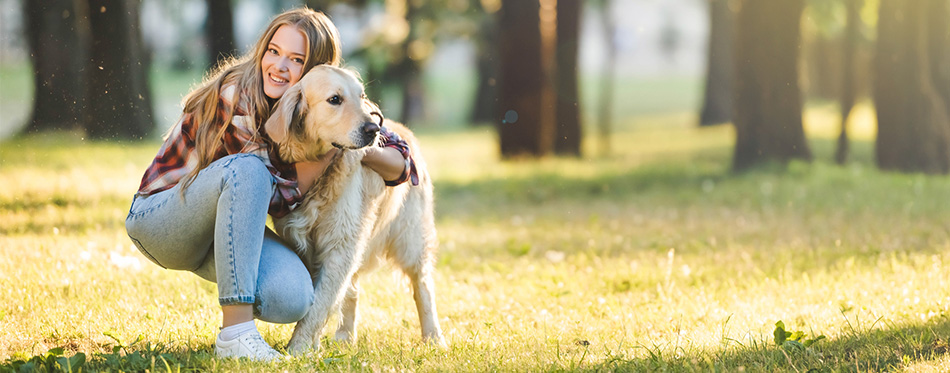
367,135
369,131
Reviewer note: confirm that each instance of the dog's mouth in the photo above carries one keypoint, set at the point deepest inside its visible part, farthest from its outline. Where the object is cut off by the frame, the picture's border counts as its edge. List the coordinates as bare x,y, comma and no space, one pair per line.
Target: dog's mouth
366,142
345,147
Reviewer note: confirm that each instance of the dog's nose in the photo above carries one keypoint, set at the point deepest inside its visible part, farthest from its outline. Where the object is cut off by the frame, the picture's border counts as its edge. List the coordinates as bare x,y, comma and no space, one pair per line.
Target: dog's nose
370,129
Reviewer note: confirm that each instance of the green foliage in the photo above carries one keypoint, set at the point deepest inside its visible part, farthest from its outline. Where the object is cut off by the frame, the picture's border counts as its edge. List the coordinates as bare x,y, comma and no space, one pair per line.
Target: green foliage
52,361
146,357
828,18
792,340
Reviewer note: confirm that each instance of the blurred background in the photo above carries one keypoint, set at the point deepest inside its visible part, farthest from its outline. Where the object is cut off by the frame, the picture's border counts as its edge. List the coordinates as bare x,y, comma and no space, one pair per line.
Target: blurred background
644,184
553,77
658,41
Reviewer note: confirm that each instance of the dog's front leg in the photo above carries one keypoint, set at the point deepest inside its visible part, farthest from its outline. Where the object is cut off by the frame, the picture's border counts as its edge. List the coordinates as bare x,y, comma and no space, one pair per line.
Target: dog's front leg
329,287
424,295
349,313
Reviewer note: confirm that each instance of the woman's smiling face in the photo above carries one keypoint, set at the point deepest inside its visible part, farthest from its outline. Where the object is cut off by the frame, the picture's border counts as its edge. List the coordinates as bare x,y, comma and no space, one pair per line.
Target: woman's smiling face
283,61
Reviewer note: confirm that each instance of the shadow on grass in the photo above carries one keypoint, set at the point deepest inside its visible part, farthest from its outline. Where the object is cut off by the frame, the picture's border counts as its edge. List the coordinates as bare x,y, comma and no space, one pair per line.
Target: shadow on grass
882,348
702,177
148,357
886,348
546,187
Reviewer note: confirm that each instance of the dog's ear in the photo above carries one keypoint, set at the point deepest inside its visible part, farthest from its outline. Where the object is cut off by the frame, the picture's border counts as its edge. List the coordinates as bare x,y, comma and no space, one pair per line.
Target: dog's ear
288,116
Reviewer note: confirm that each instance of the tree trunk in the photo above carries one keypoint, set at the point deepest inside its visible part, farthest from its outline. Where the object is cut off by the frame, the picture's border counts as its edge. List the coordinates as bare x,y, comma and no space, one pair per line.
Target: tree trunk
608,77
768,99
525,105
567,140
413,94
717,104
822,65
220,31
486,96
118,92
848,50
939,31
319,5
56,41
409,71
913,125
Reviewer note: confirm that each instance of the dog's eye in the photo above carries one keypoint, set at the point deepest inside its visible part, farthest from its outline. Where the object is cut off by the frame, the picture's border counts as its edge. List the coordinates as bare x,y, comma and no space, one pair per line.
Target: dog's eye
335,100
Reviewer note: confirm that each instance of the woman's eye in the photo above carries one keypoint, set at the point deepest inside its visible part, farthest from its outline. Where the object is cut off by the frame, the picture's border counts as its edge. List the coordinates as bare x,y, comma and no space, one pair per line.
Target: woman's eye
272,51
298,60
335,100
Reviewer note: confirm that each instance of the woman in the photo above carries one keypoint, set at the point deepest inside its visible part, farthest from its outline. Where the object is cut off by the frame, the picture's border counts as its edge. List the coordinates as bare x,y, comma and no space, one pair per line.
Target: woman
204,200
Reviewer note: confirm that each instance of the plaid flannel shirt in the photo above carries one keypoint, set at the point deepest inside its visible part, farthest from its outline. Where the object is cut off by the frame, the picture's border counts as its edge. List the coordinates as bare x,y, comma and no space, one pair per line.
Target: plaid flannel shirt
178,157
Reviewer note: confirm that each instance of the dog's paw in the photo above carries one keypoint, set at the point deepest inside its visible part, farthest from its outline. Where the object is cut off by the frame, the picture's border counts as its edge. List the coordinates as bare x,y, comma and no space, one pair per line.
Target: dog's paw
437,341
344,336
301,346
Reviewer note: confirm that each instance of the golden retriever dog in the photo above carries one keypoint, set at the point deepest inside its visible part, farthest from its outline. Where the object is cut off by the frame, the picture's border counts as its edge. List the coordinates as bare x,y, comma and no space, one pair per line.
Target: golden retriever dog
349,220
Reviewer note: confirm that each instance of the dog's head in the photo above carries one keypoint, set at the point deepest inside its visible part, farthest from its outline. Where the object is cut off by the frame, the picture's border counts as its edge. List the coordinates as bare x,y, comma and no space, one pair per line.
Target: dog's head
326,108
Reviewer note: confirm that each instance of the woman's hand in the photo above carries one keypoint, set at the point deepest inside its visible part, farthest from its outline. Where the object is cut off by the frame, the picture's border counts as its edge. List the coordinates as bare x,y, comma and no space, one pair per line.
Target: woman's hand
308,172
386,161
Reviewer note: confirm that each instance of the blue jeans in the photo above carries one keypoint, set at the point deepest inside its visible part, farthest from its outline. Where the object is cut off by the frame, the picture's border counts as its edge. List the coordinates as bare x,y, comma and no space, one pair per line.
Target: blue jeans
217,231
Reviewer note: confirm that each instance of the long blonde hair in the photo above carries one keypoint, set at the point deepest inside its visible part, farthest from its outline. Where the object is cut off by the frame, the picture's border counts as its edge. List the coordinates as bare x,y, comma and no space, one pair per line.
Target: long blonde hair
323,47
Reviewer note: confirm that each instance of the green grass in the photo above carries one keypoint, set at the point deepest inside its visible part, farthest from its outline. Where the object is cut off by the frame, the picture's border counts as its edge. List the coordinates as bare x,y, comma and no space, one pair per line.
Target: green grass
653,258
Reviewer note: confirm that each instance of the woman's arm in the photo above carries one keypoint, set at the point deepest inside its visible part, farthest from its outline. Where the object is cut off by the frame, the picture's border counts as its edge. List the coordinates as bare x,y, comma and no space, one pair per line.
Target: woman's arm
309,171
386,161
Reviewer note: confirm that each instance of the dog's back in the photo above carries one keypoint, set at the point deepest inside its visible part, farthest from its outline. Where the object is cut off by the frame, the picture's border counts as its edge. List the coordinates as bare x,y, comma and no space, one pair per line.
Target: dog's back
406,224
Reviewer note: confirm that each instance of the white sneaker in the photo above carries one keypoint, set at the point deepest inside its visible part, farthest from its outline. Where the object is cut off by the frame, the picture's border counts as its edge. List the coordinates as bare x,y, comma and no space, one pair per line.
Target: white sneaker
250,345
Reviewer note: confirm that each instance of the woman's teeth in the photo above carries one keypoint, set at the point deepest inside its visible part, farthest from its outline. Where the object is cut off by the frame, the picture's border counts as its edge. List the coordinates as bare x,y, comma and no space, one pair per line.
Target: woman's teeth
277,80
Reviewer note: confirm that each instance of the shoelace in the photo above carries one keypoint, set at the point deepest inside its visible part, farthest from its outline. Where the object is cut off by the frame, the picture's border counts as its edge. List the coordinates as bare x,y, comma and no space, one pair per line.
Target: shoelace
261,348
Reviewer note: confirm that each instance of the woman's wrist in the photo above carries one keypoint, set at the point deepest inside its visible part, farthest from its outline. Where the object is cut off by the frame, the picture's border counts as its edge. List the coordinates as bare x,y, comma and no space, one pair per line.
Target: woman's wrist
385,161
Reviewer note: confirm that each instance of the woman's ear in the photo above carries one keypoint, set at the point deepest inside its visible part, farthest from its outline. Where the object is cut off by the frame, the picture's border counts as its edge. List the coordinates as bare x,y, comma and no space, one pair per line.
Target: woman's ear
288,116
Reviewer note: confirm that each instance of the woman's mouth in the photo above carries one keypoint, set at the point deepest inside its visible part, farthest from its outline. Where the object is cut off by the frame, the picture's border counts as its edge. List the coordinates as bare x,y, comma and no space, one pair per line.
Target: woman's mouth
277,79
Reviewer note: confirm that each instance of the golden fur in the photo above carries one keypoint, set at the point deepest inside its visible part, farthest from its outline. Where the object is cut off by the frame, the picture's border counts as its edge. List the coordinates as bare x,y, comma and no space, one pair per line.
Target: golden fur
349,219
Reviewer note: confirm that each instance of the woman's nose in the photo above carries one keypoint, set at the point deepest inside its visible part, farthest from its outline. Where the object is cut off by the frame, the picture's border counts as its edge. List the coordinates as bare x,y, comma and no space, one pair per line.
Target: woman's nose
282,64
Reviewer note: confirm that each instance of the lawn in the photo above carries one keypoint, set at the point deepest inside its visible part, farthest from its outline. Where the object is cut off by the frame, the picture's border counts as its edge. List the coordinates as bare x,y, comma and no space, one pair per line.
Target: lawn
654,258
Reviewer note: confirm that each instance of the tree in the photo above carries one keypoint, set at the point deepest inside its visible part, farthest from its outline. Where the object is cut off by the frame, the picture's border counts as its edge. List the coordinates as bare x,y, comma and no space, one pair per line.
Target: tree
913,125
486,65
119,102
939,47
417,49
220,31
768,99
717,102
397,49
319,5
525,102
847,95
608,76
567,139
56,43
